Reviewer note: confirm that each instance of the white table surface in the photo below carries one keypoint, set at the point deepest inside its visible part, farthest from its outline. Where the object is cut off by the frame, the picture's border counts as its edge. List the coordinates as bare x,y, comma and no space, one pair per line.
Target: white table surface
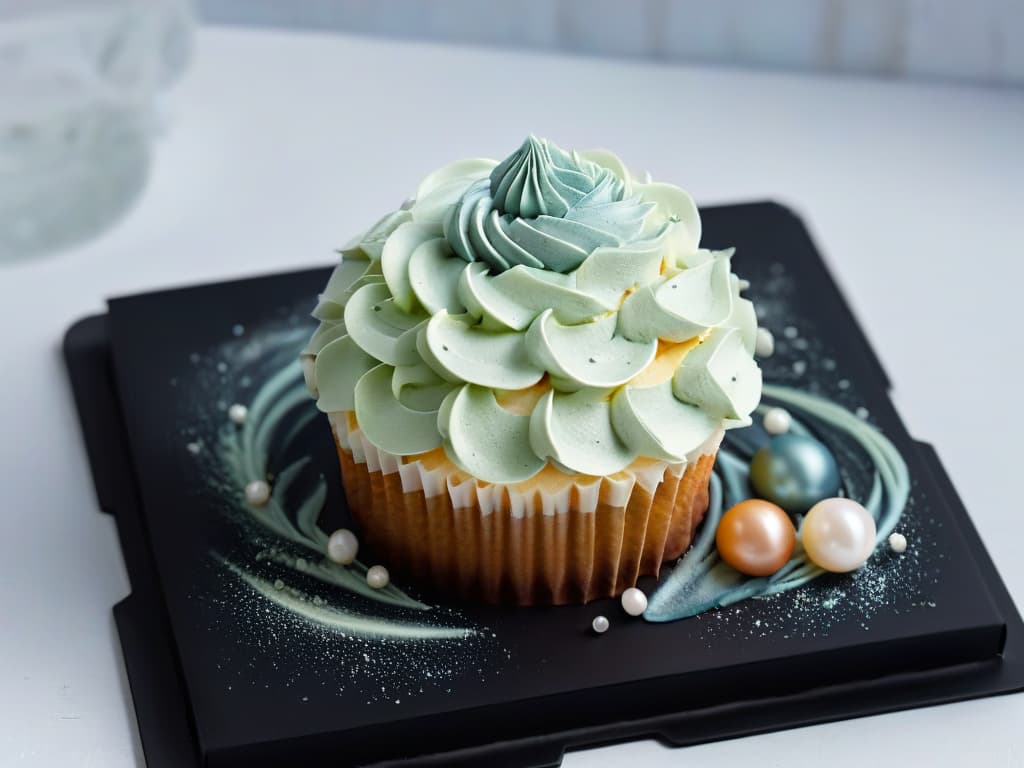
283,145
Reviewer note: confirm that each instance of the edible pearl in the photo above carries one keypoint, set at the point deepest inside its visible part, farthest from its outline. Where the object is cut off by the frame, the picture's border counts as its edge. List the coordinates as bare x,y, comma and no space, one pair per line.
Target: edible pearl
777,421
764,343
600,624
898,543
838,535
634,602
377,576
257,493
342,546
795,472
238,413
756,537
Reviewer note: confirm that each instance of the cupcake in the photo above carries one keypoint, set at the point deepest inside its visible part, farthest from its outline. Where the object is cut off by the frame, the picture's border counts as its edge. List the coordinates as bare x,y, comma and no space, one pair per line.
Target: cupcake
528,369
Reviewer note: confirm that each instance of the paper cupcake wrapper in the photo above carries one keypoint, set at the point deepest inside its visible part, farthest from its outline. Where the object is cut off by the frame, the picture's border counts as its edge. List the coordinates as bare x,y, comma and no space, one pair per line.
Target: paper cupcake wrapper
572,540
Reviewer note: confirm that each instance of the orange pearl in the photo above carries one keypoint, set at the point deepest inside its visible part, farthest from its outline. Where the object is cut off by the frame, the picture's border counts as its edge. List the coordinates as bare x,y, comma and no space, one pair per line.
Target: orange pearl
756,537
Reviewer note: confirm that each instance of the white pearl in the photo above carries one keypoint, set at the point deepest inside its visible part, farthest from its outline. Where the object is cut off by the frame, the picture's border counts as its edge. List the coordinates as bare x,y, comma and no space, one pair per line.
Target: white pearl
257,493
600,624
764,343
634,602
838,535
342,546
378,577
238,413
777,421
898,543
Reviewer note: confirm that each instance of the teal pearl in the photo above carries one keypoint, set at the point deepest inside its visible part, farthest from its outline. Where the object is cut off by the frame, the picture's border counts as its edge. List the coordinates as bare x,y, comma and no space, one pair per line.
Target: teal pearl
795,472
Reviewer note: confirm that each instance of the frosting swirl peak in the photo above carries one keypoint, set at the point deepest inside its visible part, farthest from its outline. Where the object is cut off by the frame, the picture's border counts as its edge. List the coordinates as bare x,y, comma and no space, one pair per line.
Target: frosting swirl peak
543,207
541,180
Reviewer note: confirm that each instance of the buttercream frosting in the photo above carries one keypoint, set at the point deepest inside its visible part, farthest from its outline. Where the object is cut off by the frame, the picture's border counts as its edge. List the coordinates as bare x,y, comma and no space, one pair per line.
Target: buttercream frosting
550,308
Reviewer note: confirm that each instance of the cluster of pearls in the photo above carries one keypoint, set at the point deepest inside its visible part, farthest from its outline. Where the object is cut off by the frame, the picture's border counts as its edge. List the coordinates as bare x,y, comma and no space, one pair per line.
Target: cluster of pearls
634,603
795,474
342,548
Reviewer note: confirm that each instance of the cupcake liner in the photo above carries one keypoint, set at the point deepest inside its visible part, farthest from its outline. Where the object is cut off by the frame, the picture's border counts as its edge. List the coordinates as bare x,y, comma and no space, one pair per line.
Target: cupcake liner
559,539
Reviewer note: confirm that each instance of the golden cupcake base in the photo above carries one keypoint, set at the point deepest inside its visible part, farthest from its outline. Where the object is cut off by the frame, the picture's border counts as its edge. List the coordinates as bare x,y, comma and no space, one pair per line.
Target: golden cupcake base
527,554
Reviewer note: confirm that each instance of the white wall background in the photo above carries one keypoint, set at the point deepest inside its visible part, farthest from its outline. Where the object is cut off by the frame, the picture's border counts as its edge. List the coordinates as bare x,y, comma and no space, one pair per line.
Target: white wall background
977,40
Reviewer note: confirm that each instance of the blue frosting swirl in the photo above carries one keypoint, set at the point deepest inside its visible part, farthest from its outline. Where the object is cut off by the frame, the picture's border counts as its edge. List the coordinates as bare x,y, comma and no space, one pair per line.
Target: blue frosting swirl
545,208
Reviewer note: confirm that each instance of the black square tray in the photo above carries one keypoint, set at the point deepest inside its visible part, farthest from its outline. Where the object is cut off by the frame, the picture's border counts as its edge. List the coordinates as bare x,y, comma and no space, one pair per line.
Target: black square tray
220,678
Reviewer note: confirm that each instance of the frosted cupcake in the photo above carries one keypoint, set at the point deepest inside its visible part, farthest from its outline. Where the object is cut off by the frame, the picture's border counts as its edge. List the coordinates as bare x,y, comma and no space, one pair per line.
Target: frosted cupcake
528,369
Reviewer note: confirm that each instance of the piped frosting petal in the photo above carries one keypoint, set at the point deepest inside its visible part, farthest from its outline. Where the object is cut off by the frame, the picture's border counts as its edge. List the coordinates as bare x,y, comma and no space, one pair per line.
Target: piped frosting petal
484,439
575,431
654,423
589,354
395,258
369,245
419,388
720,377
339,365
386,422
608,273
380,327
434,277
460,351
515,298
681,307
442,188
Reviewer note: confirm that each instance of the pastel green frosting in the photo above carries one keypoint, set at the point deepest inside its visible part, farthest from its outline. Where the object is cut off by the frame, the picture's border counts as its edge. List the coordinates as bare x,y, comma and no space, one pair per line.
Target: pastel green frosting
545,208
550,265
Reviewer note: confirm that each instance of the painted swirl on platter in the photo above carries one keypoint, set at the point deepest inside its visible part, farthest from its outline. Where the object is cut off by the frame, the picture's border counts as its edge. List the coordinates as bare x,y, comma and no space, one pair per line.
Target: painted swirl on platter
277,414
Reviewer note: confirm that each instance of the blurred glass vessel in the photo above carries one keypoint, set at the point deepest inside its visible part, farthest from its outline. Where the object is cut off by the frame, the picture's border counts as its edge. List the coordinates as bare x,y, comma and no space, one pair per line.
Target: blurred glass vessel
78,87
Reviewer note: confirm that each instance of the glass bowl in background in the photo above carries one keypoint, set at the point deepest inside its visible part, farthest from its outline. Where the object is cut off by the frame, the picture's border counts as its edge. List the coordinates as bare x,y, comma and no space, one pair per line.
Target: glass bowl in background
79,80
